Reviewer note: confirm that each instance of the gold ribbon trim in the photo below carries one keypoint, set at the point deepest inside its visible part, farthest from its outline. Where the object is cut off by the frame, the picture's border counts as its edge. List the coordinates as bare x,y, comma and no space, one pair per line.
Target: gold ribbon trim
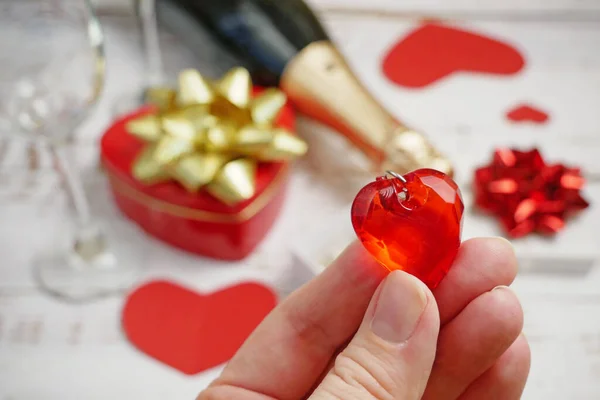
154,204
212,135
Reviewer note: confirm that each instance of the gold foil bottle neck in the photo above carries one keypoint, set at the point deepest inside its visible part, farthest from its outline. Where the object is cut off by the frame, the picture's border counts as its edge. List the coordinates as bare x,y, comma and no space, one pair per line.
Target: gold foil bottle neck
321,85
407,150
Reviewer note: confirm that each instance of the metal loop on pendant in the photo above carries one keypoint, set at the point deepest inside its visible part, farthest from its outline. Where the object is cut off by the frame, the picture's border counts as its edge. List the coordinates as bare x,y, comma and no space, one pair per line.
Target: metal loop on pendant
396,175
404,194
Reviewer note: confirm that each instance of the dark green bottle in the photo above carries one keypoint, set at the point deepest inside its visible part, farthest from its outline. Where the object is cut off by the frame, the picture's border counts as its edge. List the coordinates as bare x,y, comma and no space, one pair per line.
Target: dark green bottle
262,35
282,43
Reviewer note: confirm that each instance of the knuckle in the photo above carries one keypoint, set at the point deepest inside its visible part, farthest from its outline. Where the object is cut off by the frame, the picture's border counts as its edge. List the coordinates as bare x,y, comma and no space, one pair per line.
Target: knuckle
358,369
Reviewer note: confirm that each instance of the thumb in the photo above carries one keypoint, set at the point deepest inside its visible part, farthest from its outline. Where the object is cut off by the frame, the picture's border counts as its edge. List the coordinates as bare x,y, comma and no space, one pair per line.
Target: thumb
392,354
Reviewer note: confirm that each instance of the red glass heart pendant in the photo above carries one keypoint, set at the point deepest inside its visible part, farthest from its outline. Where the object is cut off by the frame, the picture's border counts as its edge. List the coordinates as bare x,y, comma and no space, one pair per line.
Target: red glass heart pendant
411,222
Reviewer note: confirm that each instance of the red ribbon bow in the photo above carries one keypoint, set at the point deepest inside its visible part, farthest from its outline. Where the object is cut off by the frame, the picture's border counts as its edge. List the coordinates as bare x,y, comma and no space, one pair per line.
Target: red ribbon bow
526,194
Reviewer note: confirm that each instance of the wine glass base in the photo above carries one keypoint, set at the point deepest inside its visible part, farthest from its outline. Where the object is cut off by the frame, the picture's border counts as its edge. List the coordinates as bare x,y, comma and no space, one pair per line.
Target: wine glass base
73,278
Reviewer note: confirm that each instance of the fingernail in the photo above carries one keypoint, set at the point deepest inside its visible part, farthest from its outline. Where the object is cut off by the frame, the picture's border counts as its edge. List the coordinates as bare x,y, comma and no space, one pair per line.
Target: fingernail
500,287
399,308
502,239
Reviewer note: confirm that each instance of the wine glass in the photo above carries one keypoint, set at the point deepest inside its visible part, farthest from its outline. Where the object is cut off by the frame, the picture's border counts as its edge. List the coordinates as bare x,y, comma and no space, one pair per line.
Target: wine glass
145,11
53,72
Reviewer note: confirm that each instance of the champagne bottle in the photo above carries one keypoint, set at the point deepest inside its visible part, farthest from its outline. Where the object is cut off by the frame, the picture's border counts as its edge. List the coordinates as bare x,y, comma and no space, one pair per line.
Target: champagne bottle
283,43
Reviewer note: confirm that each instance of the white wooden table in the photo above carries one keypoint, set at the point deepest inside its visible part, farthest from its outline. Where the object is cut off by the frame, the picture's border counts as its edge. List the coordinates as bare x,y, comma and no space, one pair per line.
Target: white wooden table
51,350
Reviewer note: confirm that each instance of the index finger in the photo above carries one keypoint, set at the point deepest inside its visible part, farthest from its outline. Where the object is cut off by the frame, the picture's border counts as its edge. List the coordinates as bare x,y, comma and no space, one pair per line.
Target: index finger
290,349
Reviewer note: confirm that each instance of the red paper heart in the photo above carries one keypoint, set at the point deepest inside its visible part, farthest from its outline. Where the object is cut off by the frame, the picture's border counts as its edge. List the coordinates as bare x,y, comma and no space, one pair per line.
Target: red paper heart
434,51
192,332
527,113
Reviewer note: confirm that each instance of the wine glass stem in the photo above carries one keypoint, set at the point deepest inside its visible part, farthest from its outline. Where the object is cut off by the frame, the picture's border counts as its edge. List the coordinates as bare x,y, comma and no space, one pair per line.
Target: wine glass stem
152,54
75,189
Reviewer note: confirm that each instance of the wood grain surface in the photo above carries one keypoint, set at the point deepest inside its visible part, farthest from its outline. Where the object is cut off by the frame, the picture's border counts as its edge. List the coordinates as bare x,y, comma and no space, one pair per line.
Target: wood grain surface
52,350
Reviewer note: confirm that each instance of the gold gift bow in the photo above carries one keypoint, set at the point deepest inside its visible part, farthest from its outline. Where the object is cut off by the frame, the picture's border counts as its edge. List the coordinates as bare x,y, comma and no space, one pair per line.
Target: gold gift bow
212,135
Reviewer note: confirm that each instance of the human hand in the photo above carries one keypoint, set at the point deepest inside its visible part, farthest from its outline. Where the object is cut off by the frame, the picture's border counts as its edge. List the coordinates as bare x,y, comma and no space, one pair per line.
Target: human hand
346,335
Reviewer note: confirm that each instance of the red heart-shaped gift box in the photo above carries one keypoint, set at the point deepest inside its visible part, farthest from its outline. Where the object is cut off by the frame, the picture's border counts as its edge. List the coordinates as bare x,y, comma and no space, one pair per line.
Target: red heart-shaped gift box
196,222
